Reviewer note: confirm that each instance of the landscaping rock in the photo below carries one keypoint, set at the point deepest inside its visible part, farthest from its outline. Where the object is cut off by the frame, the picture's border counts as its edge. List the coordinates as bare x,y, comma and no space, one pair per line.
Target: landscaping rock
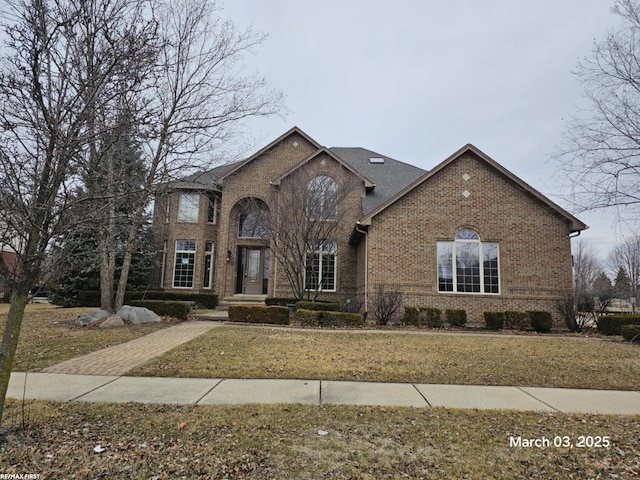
92,317
112,321
138,315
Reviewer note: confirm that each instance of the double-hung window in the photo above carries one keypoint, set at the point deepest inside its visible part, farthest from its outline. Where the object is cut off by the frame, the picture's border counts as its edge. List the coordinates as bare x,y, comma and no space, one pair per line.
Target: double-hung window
468,265
184,266
320,267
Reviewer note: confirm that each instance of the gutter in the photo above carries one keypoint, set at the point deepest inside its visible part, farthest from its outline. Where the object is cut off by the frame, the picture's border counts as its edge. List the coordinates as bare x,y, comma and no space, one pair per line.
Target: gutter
366,266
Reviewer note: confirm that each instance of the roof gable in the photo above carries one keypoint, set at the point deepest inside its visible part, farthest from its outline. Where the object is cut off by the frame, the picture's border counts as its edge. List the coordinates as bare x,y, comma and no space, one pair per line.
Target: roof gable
281,138
367,182
575,224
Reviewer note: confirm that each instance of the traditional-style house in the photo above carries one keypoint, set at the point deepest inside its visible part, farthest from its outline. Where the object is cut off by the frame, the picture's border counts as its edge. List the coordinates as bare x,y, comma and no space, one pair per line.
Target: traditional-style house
8,261
467,234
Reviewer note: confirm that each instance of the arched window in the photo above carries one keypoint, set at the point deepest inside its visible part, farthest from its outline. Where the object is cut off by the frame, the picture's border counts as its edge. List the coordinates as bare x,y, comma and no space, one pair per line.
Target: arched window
468,265
322,198
254,219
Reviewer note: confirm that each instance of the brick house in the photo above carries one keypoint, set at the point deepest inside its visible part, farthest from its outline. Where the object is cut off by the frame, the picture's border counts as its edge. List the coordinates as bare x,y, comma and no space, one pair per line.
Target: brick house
467,234
8,260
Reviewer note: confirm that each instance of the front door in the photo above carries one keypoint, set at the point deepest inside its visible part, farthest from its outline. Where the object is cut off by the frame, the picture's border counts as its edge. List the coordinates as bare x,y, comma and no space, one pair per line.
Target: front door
253,270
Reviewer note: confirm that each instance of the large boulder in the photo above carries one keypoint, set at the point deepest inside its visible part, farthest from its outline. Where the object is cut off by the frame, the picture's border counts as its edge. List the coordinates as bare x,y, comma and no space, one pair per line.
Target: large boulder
138,315
92,317
112,321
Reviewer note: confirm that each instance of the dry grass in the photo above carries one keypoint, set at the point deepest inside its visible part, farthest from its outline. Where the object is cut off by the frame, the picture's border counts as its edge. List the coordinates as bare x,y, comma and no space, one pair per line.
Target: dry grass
544,360
264,442
49,335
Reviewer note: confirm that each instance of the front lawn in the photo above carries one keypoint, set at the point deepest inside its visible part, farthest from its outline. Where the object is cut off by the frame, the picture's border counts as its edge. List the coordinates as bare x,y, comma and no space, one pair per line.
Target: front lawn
453,358
49,335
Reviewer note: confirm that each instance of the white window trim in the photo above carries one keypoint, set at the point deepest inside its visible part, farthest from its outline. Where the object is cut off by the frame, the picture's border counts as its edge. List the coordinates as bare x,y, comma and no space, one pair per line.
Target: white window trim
164,264
214,198
321,251
175,257
481,256
211,264
193,195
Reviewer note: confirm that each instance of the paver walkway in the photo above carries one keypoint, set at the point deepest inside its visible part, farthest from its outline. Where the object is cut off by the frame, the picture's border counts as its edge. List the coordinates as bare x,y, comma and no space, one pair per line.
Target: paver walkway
119,359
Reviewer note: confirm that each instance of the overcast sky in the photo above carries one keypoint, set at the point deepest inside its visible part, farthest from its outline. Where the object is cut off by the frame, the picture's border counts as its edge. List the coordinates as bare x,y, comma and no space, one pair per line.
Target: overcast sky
416,80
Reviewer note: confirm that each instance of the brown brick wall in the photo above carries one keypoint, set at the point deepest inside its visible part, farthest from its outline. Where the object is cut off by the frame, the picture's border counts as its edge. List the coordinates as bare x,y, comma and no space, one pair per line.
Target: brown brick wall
534,248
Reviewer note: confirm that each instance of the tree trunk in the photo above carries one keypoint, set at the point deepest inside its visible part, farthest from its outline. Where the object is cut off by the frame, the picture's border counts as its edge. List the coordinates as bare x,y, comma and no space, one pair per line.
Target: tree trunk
10,339
128,255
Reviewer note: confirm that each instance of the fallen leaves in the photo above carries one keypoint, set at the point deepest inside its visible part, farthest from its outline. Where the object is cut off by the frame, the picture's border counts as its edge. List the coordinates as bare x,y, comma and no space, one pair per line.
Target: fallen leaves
296,441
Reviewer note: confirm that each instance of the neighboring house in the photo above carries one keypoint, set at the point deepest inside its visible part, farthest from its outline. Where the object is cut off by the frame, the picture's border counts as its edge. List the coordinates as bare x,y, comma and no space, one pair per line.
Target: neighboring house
8,260
467,234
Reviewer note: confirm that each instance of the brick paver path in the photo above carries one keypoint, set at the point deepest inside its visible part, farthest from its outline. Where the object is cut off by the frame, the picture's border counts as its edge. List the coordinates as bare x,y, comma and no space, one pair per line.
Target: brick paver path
119,359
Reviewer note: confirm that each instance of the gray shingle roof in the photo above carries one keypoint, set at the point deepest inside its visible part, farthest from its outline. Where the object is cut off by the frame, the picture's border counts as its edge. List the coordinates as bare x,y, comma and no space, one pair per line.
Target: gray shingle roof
206,179
389,177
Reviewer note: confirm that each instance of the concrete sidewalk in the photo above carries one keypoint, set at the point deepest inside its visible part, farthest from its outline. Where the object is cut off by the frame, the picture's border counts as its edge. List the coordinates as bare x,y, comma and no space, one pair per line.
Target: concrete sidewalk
200,391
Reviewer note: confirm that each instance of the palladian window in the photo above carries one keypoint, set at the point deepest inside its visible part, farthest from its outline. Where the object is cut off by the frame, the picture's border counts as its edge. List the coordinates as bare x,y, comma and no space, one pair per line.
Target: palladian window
468,265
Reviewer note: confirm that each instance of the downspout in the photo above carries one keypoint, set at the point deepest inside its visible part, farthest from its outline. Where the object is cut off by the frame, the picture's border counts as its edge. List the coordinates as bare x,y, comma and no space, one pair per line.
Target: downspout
366,266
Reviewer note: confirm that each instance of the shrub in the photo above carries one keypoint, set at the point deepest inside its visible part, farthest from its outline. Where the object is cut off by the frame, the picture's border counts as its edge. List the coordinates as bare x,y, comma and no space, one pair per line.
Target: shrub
612,324
385,301
411,316
517,320
279,301
630,332
541,321
324,318
91,298
494,320
178,310
259,314
456,318
423,316
324,306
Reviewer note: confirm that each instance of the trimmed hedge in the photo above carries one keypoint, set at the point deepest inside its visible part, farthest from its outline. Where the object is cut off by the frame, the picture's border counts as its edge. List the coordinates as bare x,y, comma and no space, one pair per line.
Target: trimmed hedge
423,316
91,298
279,301
541,322
178,310
324,318
456,318
630,333
494,320
612,324
259,314
317,306
517,320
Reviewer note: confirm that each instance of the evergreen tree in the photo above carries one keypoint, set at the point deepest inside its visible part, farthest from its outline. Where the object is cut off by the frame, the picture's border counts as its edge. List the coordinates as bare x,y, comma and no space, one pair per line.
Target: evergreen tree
622,284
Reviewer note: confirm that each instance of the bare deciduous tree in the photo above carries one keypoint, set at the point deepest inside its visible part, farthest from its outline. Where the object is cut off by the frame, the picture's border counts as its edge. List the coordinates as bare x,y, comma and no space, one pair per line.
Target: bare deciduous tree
625,257
601,154
73,68
307,212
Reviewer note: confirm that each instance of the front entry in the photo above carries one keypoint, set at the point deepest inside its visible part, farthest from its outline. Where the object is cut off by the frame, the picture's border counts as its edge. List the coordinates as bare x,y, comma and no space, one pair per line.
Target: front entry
253,270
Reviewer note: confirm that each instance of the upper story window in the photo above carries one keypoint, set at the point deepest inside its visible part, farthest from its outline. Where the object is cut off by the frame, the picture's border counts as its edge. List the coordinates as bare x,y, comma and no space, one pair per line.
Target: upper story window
468,265
212,209
254,220
322,198
188,207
